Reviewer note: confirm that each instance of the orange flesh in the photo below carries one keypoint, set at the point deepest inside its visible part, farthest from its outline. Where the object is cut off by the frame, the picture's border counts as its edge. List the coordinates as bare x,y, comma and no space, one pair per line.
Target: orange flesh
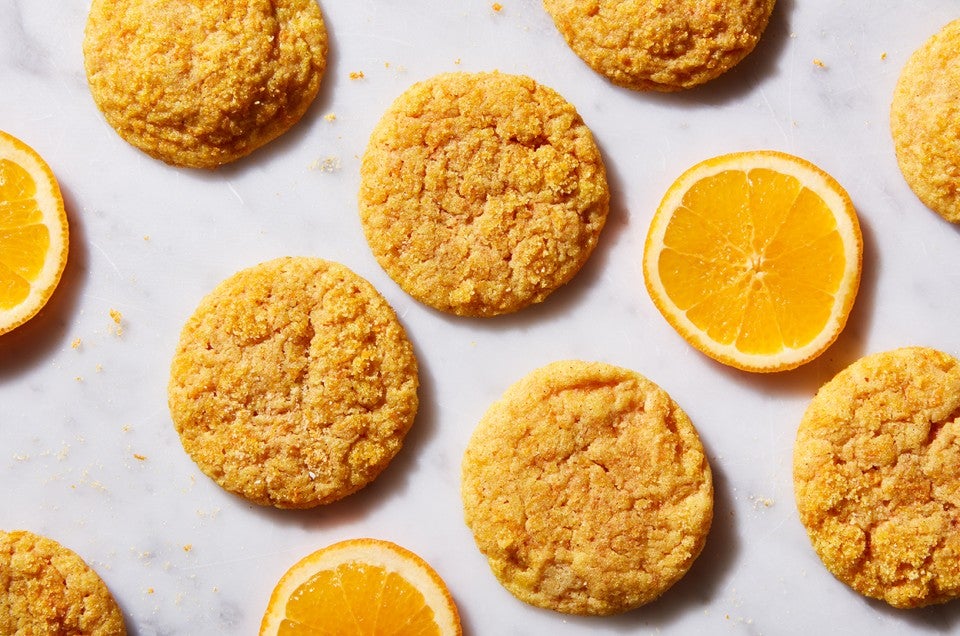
714,265
357,599
24,239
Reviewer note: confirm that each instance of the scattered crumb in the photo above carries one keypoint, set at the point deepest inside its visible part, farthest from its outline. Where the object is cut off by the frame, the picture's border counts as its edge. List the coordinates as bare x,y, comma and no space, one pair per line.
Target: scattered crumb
149,590
76,343
146,237
188,547
140,457
457,61
818,62
329,164
765,502
98,368
330,116
883,55
78,378
117,318
496,6
356,75
126,428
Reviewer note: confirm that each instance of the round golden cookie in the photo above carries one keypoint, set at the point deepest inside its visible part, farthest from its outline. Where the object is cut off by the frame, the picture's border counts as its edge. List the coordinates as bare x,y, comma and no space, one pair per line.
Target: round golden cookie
482,193
925,122
656,45
201,84
46,588
293,384
587,488
876,471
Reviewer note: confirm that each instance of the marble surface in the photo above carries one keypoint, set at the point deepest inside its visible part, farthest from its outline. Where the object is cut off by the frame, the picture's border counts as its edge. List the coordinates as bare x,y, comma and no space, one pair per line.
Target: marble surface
88,454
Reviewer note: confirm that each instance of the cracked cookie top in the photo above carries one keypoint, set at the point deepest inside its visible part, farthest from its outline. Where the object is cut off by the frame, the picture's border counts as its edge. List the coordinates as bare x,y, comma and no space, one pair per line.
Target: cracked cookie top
876,470
201,84
925,122
587,488
293,384
46,588
481,193
661,45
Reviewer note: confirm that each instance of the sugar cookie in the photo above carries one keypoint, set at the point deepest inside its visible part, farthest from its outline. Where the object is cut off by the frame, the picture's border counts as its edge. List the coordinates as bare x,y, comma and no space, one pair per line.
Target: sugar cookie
481,193
587,488
293,384
925,122
656,45
201,84
46,588
876,470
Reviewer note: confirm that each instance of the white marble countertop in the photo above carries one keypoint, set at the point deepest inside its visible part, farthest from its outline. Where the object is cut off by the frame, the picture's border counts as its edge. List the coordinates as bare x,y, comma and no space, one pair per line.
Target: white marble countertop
88,454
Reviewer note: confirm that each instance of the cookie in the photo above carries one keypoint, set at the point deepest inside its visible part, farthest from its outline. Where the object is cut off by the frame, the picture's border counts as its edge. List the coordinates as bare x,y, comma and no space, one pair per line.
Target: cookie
481,193
293,384
587,488
201,84
876,471
46,588
662,46
925,122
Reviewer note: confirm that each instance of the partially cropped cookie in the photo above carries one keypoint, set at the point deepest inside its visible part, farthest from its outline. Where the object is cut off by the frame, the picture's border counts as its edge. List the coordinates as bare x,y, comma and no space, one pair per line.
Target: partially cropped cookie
587,488
876,471
293,384
663,46
482,193
201,84
925,122
46,588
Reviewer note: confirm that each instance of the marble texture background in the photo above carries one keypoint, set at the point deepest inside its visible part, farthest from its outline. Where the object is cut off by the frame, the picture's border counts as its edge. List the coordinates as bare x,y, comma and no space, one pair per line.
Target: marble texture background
88,454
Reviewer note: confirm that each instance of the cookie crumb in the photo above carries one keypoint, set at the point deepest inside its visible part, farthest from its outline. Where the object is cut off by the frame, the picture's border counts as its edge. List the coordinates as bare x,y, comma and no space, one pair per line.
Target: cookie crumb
188,547
357,75
330,116
883,55
75,344
140,457
819,63
497,7
329,164
117,318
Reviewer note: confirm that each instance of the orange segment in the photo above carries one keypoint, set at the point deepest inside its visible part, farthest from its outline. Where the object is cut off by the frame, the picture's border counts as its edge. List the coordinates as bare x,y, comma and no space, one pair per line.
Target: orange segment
754,258
361,587
33,233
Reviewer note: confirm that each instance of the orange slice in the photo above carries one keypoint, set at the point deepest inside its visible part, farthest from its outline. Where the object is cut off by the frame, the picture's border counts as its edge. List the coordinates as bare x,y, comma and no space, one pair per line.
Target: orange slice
33,233
754,258
361,587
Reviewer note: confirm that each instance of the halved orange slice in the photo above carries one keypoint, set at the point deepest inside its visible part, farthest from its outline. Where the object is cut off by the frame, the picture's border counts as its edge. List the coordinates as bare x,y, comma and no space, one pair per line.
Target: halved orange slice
754,258
361,587
33,233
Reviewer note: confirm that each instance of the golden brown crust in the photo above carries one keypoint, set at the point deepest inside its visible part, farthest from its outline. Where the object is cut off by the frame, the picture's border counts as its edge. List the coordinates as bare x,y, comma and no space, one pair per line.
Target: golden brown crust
658,44
482,193
587,488
202,84
877,476
46,588
293,384
925,122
